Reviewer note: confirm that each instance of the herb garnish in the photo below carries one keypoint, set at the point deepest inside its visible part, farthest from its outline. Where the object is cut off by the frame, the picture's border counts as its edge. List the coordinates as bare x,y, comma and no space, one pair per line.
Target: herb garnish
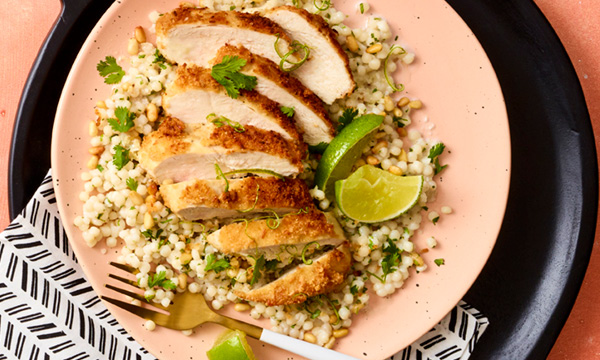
216,265
159,59
391,259
227,73
220,120
362,8
439,262
124,120
159,279
132,184
100,168
288,111
393,85
347,117
434,154
121,156
110,70
258,266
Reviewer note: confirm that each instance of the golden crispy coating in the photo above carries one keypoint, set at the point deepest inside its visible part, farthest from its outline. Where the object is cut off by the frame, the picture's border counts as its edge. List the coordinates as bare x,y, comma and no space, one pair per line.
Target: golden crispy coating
324,275
204,16
301,228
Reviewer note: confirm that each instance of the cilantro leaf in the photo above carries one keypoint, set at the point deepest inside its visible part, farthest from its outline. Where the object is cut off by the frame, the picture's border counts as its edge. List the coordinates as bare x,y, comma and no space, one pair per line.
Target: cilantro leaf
124,120
271,265
110,70
391,259
218,265
399,121
288,111
121,156
439,262
435,220
159,279
347,117
159,59
258,266
354,289
434,153
227,73
132,184
100,167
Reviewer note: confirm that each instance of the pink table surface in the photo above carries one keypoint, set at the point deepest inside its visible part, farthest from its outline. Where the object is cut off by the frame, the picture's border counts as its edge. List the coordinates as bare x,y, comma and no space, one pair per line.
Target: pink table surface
25,24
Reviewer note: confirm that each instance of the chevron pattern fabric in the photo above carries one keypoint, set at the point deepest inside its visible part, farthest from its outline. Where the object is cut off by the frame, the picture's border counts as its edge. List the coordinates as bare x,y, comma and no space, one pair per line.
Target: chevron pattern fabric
48,310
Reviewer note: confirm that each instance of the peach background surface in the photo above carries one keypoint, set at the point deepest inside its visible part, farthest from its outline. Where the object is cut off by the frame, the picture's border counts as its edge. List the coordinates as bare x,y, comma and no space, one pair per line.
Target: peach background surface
577,22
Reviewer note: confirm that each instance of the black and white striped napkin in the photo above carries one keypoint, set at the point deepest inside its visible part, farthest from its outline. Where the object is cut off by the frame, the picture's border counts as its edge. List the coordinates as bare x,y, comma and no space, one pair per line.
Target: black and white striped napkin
48,310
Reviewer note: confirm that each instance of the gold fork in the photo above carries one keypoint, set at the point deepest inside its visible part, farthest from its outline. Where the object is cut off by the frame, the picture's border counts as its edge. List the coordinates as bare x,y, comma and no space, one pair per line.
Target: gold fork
189,310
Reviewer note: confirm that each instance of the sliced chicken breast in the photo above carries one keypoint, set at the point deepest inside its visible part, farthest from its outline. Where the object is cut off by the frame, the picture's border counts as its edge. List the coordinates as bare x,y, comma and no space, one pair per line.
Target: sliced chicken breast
278,238
327,71
324,275
193,36
181,153
207,199
309,113
194,95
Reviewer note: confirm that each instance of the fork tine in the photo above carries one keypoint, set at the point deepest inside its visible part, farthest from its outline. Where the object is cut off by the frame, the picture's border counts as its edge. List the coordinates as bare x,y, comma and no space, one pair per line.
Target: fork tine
123,267
123,280
126,292
158,318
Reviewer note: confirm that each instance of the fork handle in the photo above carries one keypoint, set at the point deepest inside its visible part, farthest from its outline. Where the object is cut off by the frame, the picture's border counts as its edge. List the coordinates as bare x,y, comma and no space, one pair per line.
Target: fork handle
306,349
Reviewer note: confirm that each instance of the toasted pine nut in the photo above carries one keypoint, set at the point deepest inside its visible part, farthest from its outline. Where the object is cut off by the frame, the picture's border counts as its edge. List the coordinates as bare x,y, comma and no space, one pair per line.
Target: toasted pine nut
182,283
96,150
148,221
133,47
92,162
340,333
374,49
372,160
382,113
167,182
140,34
333,319
152,188
150,200
398,112
93,129
402,132
185,258
234,262
136,198
380,135
352,44
403,102
380,145
152,112
310,338
330,343
356,308
415,104
403,156
241,307
101,104
388,104
359,163
395,170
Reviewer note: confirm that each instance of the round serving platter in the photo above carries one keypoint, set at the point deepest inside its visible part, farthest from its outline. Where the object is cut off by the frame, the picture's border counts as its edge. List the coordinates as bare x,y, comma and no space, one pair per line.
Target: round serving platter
502,291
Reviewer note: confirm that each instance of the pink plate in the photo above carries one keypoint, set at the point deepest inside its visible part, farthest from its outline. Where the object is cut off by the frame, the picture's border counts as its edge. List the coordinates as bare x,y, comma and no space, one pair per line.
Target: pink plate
464,108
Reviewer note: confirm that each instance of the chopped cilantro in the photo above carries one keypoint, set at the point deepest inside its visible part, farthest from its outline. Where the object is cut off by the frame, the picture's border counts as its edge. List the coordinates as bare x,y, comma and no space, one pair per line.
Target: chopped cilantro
435,220
132,184
256,271
354,289
222,120
121,157
288,111
347,117
216,265
159,59
434,154
232,7
391,259
399,121
271,265
227,73
362,8
110,70
371,242
439,262
158,279
124,120
100,168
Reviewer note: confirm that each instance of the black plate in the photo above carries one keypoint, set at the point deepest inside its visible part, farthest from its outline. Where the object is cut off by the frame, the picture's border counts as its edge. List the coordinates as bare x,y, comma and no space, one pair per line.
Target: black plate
530,282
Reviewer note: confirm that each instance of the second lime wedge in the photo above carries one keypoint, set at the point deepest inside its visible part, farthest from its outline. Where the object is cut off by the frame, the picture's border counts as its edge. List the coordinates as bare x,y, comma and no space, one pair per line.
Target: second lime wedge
231,345
373,195
344,150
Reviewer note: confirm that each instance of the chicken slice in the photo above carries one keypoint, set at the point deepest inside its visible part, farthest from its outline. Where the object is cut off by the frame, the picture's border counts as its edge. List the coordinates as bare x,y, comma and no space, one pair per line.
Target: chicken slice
193,36
327,71
278,238
324,275
309,113
181,153
194,95
207,199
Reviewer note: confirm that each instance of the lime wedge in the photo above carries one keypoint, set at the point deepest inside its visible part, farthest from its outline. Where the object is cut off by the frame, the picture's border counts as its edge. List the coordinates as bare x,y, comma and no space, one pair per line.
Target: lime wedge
231,345
373,195
344,150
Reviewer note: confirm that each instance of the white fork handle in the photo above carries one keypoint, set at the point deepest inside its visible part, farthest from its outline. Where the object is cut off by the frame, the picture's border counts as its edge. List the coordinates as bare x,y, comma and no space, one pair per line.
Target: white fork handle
306,349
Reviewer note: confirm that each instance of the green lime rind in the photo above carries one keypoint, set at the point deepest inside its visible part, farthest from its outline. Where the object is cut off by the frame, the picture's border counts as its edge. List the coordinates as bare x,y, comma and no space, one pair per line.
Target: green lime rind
343,151
372,195
231,345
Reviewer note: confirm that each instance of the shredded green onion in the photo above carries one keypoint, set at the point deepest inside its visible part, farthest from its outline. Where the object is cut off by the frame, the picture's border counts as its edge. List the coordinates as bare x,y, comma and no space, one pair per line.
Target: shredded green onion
325,5
222,121
393,85
335,311
295,47
221,175
309,261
